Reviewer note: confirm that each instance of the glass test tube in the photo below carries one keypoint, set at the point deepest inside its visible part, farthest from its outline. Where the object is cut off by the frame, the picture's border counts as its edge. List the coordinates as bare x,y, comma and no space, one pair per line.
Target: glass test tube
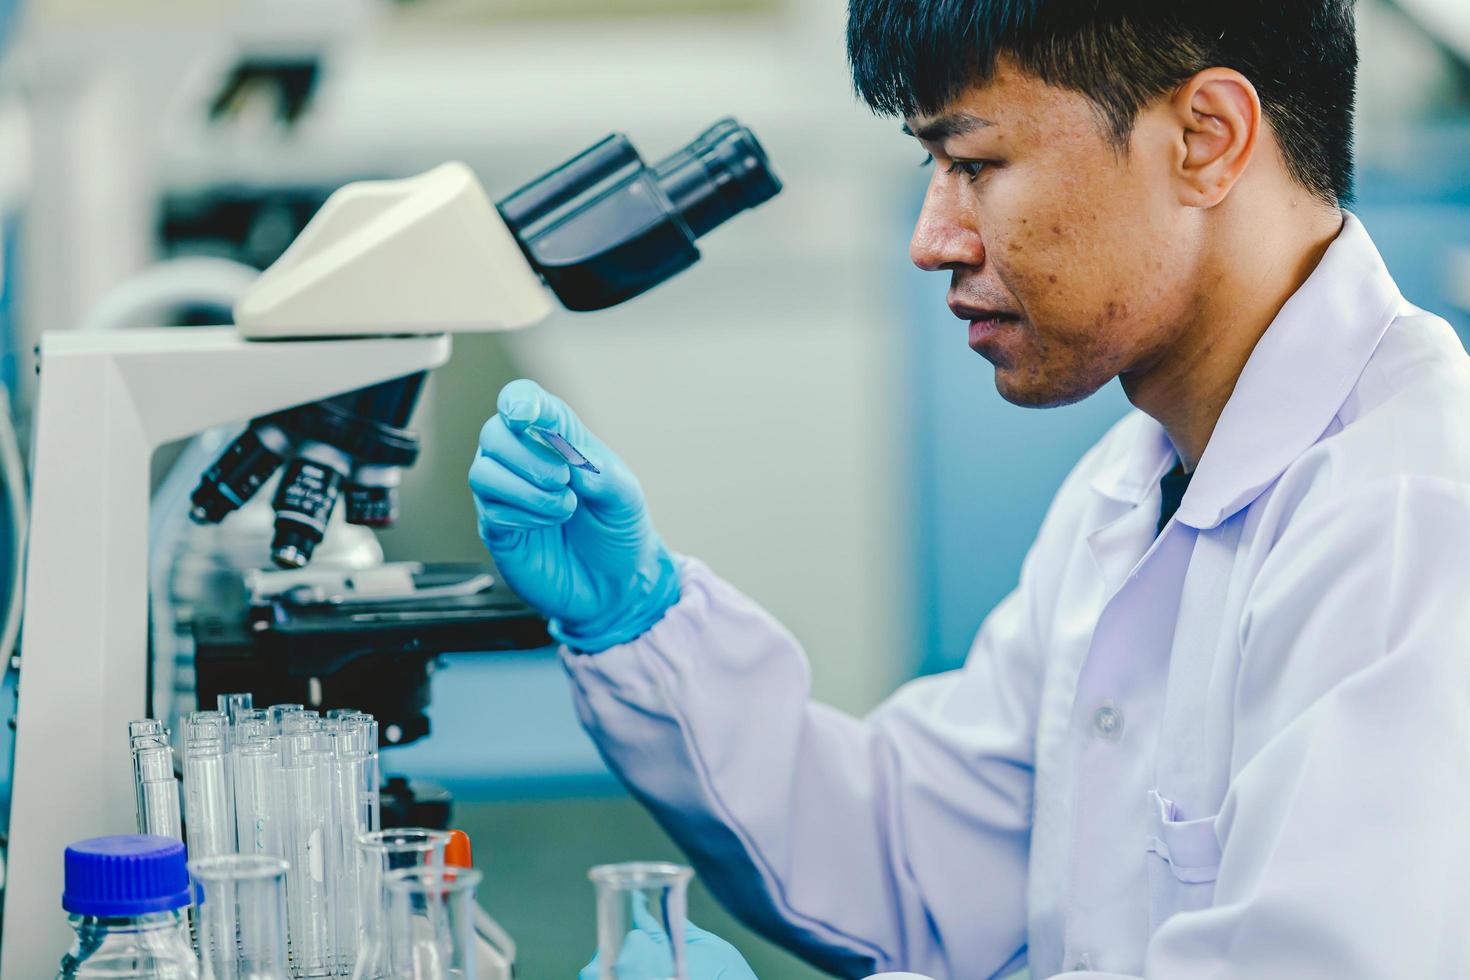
254,724
146,726
278,712
431,916
257,765
301,721
356,789
209,812
308,827
245,895
380,853
233,705
641,897
154,783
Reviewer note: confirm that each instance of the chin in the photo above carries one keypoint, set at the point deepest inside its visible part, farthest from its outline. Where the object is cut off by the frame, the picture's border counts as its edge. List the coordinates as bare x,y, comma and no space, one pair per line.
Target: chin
1029,390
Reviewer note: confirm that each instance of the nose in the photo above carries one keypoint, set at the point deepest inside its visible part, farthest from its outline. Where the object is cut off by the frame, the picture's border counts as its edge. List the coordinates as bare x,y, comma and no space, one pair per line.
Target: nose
947,234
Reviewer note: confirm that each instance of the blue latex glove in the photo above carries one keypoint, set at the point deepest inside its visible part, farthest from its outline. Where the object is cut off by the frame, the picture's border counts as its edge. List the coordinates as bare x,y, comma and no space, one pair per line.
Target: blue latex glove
576,545
645,954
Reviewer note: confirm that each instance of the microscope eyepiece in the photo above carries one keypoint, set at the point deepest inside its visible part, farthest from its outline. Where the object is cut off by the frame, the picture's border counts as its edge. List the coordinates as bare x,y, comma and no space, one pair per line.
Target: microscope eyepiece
723,172
605,227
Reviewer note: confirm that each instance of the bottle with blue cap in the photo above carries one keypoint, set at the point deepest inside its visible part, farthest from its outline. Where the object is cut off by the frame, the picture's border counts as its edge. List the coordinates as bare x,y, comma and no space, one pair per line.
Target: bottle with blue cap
126,895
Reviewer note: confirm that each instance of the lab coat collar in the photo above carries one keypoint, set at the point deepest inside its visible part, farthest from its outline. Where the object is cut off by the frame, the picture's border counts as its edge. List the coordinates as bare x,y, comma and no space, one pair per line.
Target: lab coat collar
1138,462
1297,378
1295,382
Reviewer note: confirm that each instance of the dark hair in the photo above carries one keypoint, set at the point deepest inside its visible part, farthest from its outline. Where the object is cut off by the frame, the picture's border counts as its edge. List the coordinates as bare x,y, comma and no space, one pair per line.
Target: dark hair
913,56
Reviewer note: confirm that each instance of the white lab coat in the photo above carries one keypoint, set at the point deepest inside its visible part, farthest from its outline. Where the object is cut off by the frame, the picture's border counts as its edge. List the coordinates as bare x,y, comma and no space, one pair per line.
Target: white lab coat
1241,750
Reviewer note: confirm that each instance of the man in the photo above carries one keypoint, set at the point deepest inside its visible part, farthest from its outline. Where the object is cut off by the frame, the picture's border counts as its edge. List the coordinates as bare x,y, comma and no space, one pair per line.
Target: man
1222,726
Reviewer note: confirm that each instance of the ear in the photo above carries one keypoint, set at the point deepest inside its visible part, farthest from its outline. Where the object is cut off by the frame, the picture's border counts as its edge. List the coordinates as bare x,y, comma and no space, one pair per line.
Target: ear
1219,116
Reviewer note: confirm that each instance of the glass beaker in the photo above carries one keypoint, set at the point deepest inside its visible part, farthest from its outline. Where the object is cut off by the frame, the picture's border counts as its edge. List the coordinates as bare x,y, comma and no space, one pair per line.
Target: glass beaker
641,914
240,907
378,854
431,923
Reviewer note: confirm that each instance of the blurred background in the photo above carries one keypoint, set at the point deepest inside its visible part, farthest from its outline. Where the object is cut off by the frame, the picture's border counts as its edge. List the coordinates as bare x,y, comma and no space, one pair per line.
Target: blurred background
800,407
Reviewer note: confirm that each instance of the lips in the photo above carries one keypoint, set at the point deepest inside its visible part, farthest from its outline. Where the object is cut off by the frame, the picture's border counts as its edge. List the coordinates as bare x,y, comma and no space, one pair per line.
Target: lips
985,323
972,313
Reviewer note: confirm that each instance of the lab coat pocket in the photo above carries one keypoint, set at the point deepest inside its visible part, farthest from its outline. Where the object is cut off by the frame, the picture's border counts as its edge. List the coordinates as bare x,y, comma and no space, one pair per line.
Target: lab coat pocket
1184,857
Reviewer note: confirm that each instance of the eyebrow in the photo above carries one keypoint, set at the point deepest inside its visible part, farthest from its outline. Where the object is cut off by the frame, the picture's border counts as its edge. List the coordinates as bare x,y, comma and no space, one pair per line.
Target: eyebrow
941,128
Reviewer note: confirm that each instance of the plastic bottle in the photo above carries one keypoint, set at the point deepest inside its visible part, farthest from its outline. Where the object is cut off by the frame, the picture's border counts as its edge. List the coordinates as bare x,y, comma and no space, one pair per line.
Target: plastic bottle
125,896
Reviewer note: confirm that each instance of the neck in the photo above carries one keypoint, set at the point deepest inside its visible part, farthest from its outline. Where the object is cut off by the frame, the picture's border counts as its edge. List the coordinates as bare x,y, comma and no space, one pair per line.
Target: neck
1244,283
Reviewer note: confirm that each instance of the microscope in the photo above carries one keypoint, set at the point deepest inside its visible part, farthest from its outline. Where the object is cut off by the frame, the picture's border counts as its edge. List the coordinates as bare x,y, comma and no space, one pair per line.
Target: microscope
327,358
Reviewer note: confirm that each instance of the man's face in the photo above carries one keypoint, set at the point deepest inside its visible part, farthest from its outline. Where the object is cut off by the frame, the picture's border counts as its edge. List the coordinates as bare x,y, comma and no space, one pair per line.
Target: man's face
1073,262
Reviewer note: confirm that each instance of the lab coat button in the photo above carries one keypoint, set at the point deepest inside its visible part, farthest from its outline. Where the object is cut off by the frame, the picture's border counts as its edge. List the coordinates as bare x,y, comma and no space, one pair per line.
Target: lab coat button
1108,723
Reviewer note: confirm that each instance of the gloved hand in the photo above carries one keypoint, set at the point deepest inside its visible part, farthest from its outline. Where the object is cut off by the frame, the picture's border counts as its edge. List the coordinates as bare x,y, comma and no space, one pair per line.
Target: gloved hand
645,954
576,545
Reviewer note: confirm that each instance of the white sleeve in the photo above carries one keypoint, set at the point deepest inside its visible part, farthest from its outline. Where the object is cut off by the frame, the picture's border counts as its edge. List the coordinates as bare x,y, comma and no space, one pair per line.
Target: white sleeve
1344,851
895,842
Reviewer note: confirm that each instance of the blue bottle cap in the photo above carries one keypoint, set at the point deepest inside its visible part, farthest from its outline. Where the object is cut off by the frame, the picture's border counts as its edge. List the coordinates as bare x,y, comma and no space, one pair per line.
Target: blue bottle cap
128,874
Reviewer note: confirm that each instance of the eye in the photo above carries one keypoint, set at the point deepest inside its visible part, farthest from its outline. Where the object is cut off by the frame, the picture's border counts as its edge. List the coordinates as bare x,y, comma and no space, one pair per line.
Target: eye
928,161
970,168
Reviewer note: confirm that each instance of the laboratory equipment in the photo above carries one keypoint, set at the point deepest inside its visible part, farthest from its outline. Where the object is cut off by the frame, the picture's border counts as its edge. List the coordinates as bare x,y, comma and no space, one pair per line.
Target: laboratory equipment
355,785
124,895
209,810
380,262
277,714
602,228
565,449
254,724
352,446
257,765
234,706
643,953
305,794
246,894
306,720
495,951
641,920
308,833
146,726
431,923
379,854
154,783
365,638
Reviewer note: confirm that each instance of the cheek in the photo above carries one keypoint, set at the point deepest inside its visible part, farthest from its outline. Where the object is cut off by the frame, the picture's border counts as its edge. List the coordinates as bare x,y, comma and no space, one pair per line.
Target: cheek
1085,266
1046,236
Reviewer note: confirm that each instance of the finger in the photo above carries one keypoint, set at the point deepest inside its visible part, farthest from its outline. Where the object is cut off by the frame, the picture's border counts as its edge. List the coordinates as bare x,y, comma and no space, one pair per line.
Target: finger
525,457
501,519
524,403
643,955
502,491
644,919
612,492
